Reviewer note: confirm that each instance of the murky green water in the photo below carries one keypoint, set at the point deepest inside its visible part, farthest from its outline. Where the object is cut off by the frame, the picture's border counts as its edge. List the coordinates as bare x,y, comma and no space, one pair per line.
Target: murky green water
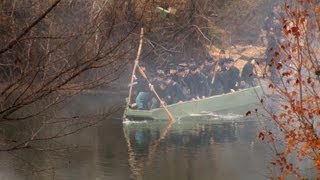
196,149
224,147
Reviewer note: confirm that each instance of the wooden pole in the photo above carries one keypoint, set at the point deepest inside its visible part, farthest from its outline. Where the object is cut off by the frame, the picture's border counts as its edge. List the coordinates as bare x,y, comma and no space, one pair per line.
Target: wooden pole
137,172
171,118
136,62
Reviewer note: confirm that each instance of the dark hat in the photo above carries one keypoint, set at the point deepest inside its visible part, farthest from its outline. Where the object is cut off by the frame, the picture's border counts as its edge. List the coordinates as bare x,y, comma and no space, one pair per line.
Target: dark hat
222,61
229,60
209,59
193,68
181,69
159,68
173,66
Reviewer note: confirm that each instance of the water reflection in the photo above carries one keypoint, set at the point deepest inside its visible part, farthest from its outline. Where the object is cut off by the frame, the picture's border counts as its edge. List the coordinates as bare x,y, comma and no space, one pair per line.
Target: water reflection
199,150
193,149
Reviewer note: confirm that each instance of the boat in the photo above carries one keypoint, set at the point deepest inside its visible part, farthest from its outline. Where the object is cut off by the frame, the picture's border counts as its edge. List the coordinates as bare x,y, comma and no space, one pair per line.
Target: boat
240,101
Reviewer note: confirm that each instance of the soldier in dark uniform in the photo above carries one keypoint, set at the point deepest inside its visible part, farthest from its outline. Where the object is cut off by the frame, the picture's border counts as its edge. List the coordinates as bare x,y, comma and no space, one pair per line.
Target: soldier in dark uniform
159,71
231,76
208,66
161,89
183,81
216,81
174,92
198,83
143,90
173,72
248,75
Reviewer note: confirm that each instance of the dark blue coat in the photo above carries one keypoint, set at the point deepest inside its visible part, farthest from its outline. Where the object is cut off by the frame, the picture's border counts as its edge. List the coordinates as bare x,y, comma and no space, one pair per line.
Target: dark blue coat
198,85
175,93
142,84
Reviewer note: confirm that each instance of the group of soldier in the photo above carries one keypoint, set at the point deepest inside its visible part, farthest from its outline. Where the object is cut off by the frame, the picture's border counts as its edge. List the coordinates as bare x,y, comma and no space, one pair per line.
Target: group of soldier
213,76
182,82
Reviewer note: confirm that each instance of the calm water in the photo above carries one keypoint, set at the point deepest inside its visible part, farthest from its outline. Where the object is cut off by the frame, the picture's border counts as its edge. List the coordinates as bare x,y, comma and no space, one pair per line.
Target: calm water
224,147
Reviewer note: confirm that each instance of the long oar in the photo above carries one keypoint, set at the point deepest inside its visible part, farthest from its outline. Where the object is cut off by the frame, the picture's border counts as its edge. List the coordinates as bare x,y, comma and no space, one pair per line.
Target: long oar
171,118
153,147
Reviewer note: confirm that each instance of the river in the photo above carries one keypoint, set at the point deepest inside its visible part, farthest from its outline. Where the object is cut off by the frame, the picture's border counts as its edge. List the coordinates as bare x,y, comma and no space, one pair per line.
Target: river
217,147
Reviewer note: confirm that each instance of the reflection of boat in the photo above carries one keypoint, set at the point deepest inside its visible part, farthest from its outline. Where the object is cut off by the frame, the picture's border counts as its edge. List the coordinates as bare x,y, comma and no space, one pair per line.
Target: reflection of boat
240,101
192,145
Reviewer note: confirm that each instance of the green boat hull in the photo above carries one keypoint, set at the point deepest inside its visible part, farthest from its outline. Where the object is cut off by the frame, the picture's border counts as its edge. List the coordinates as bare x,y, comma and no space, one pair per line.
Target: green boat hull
236,102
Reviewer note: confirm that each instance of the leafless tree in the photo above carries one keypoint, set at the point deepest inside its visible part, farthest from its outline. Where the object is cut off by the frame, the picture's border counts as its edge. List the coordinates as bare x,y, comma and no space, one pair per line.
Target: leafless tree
50,52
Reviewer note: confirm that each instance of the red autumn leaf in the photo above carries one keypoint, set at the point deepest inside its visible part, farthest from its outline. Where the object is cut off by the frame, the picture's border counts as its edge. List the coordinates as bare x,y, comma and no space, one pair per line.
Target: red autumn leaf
261,136
248,113
294,93
274,117
261,101
287,167
288,81
286,73
279,66
295,31
309,80
296,84
282,115
271,86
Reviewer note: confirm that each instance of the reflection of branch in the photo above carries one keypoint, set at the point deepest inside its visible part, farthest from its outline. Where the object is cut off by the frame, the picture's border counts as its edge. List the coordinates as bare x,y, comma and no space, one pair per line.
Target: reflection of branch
28,29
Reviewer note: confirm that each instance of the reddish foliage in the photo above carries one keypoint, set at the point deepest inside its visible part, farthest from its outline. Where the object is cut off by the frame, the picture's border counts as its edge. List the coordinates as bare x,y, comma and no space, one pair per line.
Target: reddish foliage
298,113
279,66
